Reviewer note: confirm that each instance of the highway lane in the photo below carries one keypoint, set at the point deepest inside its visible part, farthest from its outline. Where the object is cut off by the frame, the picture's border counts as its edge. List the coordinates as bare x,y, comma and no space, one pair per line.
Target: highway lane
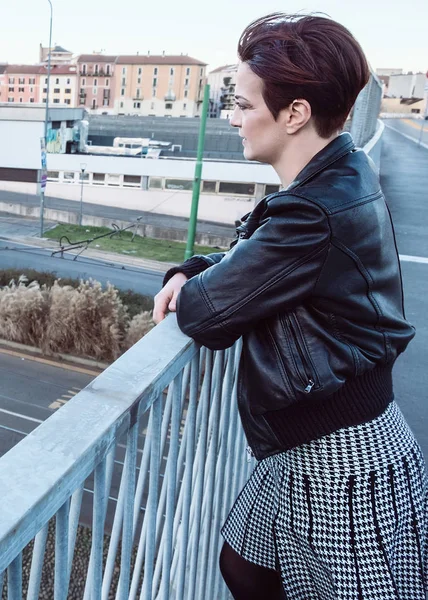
31,390
410,127
19,256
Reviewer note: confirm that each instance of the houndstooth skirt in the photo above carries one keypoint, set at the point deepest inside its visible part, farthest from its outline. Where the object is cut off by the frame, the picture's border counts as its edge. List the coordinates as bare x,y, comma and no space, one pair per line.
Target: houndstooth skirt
341,518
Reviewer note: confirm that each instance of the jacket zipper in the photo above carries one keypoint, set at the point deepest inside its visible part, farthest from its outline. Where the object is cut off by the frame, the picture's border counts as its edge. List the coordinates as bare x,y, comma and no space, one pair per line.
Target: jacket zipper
309,379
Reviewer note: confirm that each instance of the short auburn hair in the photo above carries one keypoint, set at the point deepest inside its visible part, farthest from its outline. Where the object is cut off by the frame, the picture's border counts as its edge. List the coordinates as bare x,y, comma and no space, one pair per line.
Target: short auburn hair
308,57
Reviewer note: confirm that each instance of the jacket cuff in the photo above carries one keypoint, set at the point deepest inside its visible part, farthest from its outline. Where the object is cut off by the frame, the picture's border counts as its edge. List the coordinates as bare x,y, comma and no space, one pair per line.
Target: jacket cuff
191,267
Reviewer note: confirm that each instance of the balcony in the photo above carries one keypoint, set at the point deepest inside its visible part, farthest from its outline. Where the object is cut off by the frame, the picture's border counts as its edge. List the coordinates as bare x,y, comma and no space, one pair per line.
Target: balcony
159,431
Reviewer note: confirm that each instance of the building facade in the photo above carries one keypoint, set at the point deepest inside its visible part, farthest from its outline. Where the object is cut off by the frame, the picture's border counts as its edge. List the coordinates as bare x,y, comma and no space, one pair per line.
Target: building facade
222,90
410,85
159,85
20,84
128,85
96,83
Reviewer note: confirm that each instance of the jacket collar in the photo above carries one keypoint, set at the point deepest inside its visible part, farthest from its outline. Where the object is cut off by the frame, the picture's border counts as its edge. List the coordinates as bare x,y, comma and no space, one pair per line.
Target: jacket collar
341,145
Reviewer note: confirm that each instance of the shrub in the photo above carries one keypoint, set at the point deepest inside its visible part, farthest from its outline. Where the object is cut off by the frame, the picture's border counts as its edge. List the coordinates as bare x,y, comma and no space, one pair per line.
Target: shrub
85,320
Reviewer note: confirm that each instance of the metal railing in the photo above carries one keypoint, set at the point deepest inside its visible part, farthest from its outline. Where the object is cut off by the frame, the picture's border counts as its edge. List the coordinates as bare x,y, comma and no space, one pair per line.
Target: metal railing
173,404
365,113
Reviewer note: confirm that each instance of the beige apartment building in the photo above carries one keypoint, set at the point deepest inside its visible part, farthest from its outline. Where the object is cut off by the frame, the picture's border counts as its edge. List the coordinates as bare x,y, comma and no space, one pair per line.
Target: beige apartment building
159,86
128,85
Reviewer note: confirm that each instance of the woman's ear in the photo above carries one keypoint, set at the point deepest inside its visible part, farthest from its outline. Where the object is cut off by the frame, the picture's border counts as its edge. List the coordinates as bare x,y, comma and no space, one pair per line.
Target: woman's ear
297,115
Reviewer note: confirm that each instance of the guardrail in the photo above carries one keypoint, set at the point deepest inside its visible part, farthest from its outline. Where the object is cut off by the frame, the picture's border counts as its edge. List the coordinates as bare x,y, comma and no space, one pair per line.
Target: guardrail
366,111
178,480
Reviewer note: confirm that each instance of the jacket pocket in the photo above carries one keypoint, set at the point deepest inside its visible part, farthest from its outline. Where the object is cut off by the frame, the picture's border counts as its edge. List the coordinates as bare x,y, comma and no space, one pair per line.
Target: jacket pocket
300,358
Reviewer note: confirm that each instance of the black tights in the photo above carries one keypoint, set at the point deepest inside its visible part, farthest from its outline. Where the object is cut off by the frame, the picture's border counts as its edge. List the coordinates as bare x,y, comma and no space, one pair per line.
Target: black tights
248,581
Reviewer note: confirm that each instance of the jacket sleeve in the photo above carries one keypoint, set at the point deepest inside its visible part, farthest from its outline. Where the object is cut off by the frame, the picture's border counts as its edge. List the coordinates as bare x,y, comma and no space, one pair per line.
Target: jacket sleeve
273,271
194,265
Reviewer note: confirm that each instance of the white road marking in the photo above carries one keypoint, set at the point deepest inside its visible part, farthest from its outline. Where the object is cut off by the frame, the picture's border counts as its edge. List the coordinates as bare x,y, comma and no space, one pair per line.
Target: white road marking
14,414
416,259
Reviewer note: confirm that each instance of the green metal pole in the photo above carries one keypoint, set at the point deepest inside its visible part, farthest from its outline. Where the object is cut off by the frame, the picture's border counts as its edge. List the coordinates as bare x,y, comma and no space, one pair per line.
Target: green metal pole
197,180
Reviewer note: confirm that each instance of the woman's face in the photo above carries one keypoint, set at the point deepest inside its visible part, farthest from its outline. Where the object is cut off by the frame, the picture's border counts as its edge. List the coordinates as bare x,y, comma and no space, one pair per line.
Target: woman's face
264,139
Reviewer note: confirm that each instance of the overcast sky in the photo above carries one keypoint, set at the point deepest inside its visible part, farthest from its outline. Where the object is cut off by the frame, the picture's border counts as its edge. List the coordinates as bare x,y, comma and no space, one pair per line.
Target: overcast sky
392,34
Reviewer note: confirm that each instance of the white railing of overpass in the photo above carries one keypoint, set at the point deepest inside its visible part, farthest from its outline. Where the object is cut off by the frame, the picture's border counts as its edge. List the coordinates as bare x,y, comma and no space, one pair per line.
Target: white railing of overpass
179,478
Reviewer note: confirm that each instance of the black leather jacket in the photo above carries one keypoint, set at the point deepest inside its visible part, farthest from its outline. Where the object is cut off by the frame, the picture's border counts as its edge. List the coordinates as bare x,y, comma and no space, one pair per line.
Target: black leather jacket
313,285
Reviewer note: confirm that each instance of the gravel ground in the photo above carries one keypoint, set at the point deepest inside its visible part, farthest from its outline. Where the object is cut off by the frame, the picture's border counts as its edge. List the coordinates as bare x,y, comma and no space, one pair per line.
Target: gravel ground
79,568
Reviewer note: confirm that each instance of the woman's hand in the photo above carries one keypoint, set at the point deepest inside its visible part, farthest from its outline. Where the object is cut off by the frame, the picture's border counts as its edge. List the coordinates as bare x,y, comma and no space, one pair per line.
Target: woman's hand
166,300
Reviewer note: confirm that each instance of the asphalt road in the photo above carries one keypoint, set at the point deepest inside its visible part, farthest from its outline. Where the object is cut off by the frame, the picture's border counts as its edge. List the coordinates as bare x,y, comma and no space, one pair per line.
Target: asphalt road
31,390
14,255
404,179
415,129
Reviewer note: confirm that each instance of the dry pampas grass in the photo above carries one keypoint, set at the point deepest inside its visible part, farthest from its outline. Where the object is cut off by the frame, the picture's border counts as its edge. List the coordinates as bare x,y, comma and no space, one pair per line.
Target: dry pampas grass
85,321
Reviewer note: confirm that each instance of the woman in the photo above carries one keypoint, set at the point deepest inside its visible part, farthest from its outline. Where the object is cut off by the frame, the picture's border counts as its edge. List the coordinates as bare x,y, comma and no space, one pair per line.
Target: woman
336,506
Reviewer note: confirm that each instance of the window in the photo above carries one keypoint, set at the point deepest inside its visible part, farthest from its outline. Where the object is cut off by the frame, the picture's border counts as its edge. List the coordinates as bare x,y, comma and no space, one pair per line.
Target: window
31,90
95,82
83,69
82,100
155,71
201,72
131,181
67,101
96,69
271,189
107,82
67,90
188,71
12,80
121,105
45,90
186,83
56,100
53,175
137,104
178,184
229,187
31,100
98,178
20,99
32,81
68,81
139,80
11,89
11,99
137,95
105,102
155,183
123,81
122,92
82,91
113,179
21,80
184,106
140,70
57,81
186,93
46,79
171,71
168,106
94,91
124,71
209,186
155,82
94,103
57,90
21,89
83,81
108,70
68,177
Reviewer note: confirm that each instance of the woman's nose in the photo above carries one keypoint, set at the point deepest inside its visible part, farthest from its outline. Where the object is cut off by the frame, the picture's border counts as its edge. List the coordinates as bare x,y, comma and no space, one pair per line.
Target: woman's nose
234,120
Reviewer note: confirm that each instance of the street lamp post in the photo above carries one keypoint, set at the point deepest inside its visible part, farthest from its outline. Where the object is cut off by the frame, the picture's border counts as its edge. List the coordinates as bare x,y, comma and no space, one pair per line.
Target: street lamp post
82,173
42,189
